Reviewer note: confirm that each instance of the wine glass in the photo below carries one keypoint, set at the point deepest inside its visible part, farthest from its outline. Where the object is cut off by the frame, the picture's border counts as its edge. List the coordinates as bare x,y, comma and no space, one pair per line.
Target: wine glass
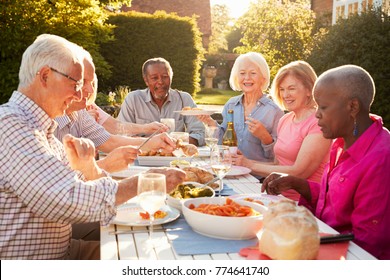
221,162
211,138
151,196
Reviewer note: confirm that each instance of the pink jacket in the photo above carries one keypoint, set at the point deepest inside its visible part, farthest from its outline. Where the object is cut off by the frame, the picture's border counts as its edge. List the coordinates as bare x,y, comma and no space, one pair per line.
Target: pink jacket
354,195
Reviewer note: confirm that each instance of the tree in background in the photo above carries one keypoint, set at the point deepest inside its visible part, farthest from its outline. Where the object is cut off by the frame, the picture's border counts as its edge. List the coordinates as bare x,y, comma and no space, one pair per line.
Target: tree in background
363,40
80,21
219,26
281,30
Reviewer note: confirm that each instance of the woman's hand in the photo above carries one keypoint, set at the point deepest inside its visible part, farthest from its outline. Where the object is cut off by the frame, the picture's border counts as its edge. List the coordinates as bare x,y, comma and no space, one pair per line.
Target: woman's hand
207,120
239,159
258,130
275,183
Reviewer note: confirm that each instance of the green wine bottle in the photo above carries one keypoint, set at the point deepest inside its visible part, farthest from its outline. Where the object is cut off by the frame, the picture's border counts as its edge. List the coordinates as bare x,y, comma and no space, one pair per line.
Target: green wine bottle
230,137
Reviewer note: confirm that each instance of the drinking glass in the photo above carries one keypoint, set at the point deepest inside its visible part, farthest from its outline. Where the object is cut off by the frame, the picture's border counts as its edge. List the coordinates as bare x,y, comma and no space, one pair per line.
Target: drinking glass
211,139
221,162
151,197
169,123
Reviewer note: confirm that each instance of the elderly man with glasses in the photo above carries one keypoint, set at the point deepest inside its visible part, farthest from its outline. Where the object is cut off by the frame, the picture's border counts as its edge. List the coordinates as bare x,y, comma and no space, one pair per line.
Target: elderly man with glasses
46,186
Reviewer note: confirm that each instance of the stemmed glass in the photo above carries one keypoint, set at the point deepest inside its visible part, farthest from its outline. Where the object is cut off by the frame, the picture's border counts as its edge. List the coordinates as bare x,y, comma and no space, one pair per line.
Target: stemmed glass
221,162
151,196
211,138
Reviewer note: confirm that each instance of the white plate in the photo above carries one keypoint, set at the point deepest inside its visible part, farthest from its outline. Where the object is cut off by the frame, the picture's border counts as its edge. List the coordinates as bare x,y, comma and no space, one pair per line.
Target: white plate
265,198
238,171
128,215
158,160
131,171
195,112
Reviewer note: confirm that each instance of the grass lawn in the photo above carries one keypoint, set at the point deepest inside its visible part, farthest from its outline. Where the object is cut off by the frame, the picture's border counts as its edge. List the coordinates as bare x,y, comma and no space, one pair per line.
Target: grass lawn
214,96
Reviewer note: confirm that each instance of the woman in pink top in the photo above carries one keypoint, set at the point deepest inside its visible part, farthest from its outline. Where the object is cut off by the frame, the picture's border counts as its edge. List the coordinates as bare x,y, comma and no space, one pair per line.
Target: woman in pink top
300,149
354,194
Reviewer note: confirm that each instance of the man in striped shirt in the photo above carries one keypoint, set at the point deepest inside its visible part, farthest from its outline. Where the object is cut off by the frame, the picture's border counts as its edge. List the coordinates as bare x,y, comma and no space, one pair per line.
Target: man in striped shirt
79,123
46,186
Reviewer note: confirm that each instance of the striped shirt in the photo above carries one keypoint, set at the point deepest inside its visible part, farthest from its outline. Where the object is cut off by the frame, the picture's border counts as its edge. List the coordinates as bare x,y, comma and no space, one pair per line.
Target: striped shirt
81,124
40,196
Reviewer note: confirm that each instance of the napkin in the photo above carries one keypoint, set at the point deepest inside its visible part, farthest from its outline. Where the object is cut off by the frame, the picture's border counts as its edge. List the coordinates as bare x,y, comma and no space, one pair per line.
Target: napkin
185,241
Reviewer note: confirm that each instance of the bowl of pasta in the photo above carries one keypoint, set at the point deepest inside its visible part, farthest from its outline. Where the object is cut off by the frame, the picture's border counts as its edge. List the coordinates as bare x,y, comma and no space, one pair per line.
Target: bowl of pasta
223,217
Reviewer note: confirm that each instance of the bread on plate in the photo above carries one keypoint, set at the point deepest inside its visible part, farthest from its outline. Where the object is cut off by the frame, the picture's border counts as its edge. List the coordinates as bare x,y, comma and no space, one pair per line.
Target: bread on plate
290,232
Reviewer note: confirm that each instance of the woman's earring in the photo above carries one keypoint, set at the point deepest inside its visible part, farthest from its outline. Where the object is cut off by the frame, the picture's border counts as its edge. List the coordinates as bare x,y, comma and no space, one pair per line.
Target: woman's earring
355,129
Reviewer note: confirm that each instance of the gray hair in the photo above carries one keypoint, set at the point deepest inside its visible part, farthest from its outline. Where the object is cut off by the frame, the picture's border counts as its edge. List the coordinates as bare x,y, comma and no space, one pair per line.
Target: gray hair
353,81
48,50
255,58
157,60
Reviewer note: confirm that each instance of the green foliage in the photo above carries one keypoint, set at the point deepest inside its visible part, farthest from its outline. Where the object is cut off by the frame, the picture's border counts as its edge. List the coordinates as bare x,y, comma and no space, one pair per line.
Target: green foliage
219,23
361,40
80,21
214,96
140,36
281,31
233,38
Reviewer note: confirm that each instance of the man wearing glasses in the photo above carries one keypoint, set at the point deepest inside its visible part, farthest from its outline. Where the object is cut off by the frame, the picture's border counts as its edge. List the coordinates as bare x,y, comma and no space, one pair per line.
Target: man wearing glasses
46,186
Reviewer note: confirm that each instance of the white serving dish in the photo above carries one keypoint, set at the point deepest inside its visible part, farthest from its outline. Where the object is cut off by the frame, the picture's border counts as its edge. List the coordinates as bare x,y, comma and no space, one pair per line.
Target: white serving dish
233,228
177,203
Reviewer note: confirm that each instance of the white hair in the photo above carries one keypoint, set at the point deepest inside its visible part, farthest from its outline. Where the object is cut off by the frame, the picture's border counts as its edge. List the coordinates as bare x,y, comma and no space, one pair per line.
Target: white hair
255,58
48,50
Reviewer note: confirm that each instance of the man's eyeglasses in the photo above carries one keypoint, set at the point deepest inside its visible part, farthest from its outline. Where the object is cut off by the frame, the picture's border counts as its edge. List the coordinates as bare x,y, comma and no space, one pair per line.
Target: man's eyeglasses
79,84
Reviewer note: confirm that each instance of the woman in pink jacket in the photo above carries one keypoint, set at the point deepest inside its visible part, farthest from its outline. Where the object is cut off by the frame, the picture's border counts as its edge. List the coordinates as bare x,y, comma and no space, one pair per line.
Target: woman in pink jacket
354,194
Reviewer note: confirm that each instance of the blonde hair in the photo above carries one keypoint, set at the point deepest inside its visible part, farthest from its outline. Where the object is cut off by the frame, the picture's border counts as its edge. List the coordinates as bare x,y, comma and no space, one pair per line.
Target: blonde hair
302,71
255,58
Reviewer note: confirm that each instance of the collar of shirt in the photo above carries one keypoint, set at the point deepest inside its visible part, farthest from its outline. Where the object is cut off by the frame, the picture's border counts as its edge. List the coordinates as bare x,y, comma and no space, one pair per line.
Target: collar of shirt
30,108
263,100
363,143
66,120
148,96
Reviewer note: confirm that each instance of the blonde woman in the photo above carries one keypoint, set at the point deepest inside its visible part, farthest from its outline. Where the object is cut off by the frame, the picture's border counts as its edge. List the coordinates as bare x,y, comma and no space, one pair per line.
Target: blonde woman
256,116
300,150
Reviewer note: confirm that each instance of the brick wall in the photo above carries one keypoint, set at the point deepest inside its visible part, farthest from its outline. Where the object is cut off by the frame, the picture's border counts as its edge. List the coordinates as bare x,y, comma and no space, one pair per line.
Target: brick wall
182,8
321,6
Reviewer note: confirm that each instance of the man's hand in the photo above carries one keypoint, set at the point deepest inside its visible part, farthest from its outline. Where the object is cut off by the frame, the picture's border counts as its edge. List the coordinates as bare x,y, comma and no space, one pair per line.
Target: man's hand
174,176
119,158
160,141
152,127
81,156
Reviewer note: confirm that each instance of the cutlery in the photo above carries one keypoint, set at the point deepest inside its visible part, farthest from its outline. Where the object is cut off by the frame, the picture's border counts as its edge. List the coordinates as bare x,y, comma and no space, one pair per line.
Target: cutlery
336,238
142,231
209,182
150,137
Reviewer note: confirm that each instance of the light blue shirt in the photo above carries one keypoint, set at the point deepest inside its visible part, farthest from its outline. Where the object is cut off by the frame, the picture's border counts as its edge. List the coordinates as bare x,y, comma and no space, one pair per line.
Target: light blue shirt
139,107
267,112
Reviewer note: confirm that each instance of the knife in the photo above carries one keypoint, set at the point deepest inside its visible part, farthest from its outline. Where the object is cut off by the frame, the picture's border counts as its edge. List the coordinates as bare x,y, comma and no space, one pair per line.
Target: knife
336,238
150,137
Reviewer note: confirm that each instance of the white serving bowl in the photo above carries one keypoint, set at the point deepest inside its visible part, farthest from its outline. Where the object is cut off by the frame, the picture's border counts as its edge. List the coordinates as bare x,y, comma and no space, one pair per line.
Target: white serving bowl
234,228
177,203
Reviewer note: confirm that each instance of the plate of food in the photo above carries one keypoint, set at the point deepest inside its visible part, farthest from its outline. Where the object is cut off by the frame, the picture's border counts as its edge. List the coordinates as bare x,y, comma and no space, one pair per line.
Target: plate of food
131,171
188,111
238,171
260,198
131,214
